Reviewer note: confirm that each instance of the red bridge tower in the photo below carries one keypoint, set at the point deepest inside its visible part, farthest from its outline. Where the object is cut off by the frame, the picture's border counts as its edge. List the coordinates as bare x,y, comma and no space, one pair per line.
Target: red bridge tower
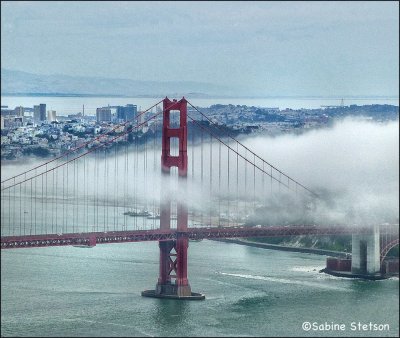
172,280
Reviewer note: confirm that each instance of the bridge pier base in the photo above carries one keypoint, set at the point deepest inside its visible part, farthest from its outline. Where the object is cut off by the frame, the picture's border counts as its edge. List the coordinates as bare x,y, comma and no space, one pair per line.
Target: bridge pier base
173,265
365,261
366,253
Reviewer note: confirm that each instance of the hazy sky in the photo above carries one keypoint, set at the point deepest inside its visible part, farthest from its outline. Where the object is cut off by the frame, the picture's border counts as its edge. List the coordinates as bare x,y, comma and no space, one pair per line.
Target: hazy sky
266,48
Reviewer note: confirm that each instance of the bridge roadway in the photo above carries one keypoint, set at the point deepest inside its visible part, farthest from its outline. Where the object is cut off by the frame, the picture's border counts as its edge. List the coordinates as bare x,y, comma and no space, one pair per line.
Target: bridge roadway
93,238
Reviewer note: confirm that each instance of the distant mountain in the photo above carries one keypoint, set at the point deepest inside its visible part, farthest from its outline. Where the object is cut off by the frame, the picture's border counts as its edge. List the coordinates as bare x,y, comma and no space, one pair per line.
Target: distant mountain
18,82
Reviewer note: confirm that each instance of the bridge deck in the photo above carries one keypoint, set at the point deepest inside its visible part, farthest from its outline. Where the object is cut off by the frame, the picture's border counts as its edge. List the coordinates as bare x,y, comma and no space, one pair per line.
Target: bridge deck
93,238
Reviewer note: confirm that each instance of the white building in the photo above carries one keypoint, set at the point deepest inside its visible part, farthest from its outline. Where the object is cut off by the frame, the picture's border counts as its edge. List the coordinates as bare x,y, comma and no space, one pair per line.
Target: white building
51,115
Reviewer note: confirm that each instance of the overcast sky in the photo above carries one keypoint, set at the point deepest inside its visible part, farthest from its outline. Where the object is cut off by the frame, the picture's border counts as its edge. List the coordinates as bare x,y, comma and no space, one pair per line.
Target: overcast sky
265,48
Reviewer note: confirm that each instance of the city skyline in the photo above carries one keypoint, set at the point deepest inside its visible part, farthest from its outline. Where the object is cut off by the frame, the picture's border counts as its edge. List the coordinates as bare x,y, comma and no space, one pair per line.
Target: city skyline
256,48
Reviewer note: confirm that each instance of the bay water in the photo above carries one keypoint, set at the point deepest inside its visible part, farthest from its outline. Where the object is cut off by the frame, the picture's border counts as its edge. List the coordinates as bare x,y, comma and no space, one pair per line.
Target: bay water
70,291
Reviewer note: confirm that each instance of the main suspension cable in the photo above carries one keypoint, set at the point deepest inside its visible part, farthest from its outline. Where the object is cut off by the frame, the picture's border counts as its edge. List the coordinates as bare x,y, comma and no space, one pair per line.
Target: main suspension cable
84,144
241,144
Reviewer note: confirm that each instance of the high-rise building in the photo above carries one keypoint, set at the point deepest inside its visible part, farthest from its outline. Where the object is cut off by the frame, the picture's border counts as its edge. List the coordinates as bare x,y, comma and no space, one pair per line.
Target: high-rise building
39,113
103,114
36,113
51,115
42,112
120,113
130,112
127,113
19,111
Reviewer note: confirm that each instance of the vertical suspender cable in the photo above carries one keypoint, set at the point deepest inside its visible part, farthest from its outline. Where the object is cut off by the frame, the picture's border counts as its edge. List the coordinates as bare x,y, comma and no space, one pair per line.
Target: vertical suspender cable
210,200
263,194
95,190
104,191
46,206
254,184
53,202
192,178
9,210
35,208
25,203
144,180
125,179
66,200
43,219
237,184
80,220
219,184
201,166
31,215
154,171
20,210
245,185
115,187
271,179
73,200
84,223
136,173
63,201
229,192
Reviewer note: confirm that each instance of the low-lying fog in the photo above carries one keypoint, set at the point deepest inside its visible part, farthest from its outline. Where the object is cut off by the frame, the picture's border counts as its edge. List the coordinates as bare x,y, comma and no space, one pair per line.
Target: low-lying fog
352,166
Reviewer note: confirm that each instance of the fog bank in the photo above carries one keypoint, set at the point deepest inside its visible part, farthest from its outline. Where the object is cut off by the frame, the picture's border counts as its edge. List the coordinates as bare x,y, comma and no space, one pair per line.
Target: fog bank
353,166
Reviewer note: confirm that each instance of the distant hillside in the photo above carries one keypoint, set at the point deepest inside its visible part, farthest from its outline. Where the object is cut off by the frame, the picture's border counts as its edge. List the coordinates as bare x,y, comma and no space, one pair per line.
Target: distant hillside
17,82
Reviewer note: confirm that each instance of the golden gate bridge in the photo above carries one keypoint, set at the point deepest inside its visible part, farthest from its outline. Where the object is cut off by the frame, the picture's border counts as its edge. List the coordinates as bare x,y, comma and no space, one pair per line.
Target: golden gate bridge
114,189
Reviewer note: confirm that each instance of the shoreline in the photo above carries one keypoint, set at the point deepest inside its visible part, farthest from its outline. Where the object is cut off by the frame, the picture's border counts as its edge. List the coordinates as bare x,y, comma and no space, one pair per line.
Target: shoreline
324,252
331,253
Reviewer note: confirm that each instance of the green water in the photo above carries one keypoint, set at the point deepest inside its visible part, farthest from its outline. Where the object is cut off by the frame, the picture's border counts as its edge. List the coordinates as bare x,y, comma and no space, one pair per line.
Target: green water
70,291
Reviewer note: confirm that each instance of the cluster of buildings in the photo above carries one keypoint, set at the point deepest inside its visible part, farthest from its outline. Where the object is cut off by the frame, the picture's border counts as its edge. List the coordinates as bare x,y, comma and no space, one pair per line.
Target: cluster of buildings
121,114
20,116
275,121
267,120
26,130
29,130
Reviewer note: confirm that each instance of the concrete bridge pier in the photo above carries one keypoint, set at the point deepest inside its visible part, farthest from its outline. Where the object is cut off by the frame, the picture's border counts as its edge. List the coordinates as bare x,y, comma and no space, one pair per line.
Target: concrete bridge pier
366,253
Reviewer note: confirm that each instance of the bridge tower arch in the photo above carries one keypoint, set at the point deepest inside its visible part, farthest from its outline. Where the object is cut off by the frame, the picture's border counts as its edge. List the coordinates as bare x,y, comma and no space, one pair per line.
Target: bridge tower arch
388,266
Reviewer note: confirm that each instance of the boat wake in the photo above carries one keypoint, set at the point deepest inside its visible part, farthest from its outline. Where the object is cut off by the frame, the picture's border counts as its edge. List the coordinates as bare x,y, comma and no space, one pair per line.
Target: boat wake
285,281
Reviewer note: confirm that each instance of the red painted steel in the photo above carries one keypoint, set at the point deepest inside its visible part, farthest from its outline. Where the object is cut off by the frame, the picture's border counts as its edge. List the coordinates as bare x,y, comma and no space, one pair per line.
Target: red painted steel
388,247
338,264
173,265
167,160
390,266
166,263
8,242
